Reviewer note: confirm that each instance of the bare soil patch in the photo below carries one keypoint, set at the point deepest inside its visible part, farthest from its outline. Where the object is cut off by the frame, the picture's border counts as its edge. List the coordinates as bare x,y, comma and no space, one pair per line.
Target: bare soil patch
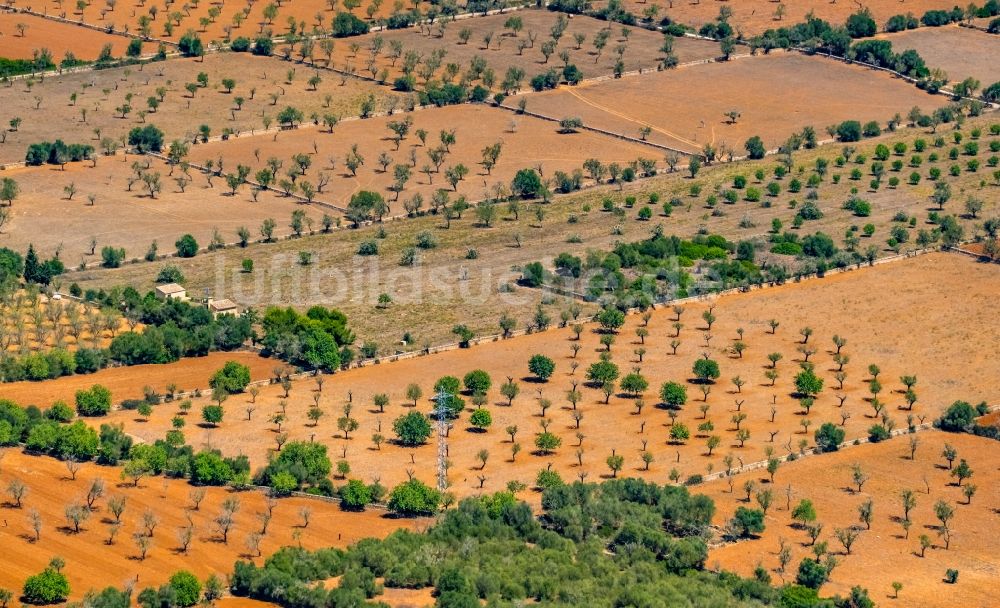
776,96
883,554
959,51
93,563
58,38
128,382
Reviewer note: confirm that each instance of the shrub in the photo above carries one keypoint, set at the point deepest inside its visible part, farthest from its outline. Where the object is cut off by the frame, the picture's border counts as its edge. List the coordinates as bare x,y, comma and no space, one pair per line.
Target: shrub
849,130
426,240
958,418
755,147
346,24
355,495
240,44
186,588
829,437
747,522
263,46
232,378
46,587
146,139
877,433
190,45
414,498
811,574
526,183
95,401
170,274
112,257
187,246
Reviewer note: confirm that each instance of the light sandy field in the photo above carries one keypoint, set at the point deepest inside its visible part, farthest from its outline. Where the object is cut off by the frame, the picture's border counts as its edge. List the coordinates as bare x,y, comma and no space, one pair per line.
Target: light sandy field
883,554
777,95
959,51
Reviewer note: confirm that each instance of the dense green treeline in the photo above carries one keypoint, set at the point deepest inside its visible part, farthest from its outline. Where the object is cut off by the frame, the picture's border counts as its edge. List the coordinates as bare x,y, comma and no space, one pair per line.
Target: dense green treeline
622,543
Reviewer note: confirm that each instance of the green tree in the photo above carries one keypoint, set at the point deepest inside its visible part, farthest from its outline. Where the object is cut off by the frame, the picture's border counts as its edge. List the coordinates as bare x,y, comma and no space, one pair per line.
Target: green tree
615,462
811,574
9,189
412,429
673,394
187,246
414,498
602,373
746,523
807,383
47,587
706,370
186,588
634,384
212,414
190,45
542,367
481,419
233,377
804,512
829,437
477,381
95,401
547,442
355,495
755,147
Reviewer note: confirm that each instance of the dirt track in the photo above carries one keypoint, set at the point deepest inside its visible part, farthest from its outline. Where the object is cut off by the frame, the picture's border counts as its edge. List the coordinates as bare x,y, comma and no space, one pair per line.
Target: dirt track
776,96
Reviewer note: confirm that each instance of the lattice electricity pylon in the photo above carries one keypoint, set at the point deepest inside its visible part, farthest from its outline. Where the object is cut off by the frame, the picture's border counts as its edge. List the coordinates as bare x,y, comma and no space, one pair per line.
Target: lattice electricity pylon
441,412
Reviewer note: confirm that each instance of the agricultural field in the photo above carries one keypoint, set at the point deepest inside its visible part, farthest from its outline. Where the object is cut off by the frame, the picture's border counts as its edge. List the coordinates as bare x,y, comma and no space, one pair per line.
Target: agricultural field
118,217
374,140
752,17
962,52
106,104
949,359
515,40
129,382
775,95
887,552
450,285
31,321
206,204
168,507
213,21
451,304
24,34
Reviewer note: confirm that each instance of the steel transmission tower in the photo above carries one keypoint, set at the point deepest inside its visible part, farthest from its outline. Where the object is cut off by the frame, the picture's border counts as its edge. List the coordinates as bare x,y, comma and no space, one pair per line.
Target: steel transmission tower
441,411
